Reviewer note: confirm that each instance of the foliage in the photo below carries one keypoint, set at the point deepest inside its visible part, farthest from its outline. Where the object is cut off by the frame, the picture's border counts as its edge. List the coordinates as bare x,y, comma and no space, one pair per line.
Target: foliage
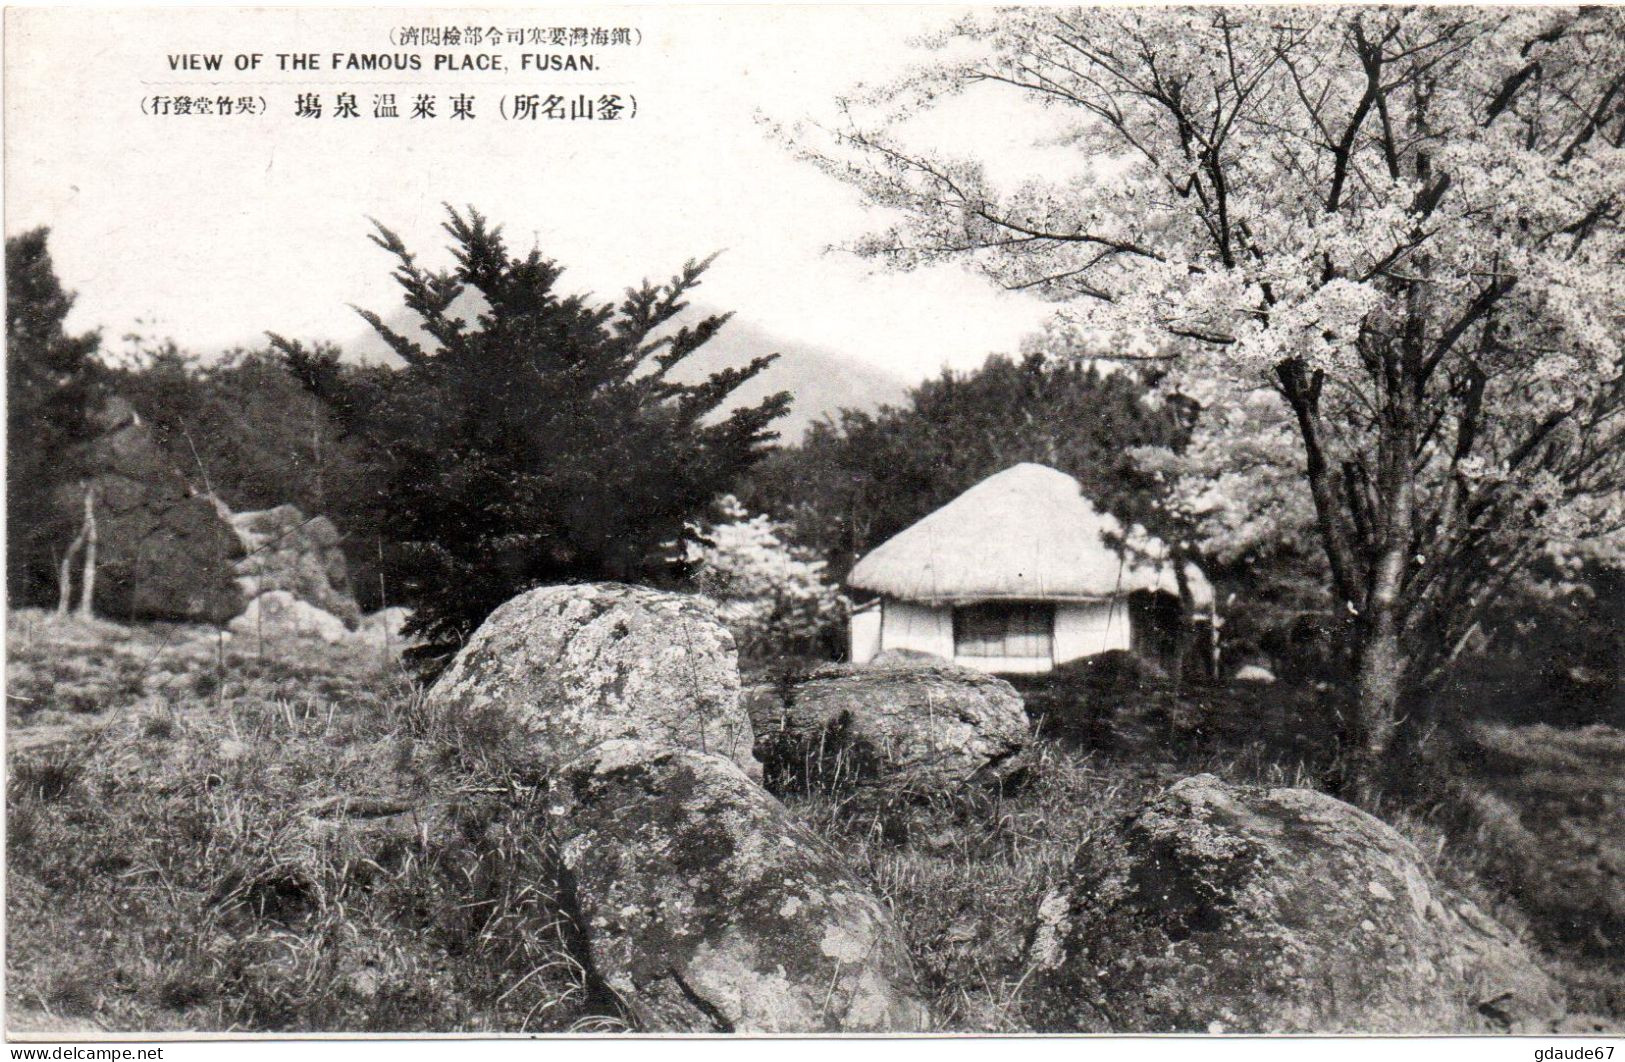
849,486
1552,649
53,381
771,593
543,443
1403,225
1239,492
242,427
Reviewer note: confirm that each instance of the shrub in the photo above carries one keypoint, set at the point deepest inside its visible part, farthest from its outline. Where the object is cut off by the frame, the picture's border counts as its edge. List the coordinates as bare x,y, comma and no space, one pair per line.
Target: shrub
772,594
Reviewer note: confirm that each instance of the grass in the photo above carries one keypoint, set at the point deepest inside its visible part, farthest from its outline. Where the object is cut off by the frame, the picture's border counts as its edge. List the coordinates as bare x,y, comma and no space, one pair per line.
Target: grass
963,877
204,836
214,850
1540,812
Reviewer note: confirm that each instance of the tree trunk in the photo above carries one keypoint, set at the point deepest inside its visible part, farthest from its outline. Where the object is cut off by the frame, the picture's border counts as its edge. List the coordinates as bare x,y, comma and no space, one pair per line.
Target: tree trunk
316,451
1215,663
64,574
1381,665
87,585
1375,716
64,571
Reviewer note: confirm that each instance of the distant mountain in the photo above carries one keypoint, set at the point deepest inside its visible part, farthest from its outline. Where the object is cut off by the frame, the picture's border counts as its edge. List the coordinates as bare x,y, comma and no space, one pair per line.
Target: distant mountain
820,381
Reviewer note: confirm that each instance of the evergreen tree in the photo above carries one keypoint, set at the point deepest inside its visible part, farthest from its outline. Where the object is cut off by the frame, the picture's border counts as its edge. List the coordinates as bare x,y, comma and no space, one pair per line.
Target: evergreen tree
52,381
544,441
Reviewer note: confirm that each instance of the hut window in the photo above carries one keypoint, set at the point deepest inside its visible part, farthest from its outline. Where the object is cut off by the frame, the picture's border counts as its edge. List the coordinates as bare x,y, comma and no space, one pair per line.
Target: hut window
1003,629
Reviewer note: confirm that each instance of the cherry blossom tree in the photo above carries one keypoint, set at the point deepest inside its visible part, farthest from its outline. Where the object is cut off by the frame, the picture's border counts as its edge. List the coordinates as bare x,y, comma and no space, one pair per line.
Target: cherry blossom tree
1390,235
774,595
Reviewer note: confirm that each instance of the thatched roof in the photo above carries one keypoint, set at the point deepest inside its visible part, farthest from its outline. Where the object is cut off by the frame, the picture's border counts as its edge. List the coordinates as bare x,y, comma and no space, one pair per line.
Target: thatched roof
1027,533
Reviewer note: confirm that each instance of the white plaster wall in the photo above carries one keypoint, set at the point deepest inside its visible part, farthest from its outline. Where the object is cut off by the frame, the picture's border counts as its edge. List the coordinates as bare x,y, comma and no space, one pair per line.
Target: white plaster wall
1087,628
1081,629
1007,665
921,628
863,633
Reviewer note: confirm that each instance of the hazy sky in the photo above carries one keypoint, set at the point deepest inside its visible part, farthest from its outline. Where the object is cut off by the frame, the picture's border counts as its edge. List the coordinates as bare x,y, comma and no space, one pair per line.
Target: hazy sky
214,229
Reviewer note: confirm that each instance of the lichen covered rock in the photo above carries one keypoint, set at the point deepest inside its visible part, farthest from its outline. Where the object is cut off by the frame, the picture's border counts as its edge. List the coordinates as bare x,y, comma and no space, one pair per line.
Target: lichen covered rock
278,614
572,666
284,550
383,630
704,907
910,725
1224,908
163,553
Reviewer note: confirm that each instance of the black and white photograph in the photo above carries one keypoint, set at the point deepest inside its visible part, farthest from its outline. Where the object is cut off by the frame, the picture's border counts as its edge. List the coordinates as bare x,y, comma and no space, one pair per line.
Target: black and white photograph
594,522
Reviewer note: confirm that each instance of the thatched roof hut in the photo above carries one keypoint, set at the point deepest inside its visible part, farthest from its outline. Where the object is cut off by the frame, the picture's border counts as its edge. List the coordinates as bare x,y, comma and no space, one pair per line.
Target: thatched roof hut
1027,533
1021,571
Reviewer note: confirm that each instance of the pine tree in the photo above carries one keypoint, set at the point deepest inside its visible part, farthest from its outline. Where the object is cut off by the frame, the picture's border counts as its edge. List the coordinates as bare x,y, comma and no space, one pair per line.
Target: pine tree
52,382
544,441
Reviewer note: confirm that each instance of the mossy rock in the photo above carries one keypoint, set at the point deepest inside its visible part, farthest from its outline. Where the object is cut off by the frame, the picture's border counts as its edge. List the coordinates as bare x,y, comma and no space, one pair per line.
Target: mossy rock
1238,909
573,666
704,907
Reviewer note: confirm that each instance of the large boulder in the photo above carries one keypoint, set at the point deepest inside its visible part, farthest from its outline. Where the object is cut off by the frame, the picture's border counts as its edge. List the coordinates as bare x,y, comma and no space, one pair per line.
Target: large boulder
162,552
285,550
382,630
909,725
705,907
1224,908
573,666
279,614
